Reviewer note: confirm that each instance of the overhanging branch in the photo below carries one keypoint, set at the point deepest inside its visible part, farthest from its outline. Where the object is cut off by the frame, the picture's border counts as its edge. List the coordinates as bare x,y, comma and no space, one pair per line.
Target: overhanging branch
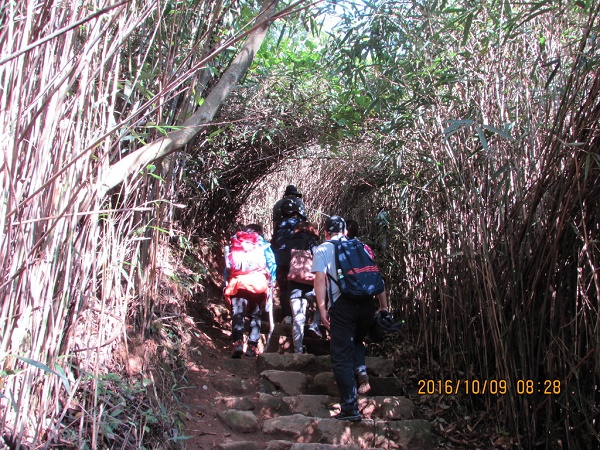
177,139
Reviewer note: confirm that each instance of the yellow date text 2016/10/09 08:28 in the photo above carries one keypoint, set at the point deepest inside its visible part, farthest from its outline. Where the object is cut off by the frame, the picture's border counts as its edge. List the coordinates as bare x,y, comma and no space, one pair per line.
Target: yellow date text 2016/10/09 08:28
492,387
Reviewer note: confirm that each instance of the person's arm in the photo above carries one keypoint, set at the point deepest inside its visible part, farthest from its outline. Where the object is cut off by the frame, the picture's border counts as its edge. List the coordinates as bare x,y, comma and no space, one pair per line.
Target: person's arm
225,277
276,213
301,207
321,293
271,264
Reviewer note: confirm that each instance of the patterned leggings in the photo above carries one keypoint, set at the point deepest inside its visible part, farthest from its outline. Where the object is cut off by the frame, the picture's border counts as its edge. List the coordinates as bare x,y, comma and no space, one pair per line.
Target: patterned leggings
244,304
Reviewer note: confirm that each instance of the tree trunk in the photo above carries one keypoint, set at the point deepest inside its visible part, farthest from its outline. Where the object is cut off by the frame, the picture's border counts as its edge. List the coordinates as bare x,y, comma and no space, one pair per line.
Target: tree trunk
177,139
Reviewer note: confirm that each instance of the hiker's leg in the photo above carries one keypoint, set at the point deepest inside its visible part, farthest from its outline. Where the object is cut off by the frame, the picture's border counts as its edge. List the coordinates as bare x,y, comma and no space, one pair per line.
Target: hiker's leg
365,316
343,318
298,305
282,282
312,302
238,310
255,310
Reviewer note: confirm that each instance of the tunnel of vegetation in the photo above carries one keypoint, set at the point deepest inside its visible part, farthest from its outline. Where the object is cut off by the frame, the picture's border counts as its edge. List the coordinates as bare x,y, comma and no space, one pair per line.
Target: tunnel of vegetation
476,127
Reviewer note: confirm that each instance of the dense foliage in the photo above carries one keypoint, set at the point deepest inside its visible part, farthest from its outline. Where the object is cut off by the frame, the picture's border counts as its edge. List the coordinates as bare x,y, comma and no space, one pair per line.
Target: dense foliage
474,124
477,128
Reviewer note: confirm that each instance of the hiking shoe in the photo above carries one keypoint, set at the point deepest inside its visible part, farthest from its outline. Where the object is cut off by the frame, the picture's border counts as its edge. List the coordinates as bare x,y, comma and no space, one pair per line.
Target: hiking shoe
238,349
362,381
349,416
314,332
251,351
287,320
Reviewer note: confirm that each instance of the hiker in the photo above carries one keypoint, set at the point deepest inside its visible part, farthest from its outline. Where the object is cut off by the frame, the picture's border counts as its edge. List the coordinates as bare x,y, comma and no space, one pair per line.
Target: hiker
291,193
292,215
348,320
249,276
298,250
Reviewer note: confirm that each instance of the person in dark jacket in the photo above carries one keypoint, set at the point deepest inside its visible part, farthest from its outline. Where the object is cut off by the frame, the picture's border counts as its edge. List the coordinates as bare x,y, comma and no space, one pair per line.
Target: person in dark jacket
305,237
291,193
292,216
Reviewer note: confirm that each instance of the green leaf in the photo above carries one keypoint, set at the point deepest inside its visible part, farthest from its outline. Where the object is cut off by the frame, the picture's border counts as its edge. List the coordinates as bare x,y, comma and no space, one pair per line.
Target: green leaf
47,369
501,170
63,376
162,230
37,364
362,101
502,133
482,138
468,23
157,177
454,125
179,438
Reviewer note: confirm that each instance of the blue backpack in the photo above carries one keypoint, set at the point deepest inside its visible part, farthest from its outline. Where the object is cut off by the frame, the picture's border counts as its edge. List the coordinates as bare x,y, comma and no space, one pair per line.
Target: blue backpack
358,275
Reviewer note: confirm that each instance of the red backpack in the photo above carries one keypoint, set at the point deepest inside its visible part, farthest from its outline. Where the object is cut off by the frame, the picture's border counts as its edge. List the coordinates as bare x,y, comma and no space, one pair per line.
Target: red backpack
246,254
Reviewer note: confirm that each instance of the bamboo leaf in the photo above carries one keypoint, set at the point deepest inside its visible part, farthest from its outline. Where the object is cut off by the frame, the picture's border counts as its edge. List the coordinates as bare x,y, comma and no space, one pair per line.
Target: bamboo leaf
482,138
182,437
501,170
588,159
158,177
162,230
468,23
47,369
11,398
63,376
455,125
500,132
37,364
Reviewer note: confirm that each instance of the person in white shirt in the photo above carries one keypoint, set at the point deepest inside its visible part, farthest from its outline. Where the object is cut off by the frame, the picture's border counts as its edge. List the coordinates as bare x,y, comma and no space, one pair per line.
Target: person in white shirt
348,322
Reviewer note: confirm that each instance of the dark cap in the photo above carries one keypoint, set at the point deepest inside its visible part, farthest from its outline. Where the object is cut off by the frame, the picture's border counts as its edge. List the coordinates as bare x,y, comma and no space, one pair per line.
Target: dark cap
254,228
335,224
292,190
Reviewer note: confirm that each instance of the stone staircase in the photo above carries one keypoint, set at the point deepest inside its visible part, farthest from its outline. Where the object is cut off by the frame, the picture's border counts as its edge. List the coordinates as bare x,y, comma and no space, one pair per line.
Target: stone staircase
297,395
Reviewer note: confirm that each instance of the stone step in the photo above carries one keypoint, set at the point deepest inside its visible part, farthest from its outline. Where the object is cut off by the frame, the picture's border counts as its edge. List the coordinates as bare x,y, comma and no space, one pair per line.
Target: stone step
281,340
414,434
295,383
312,364
323,406
297,397
282,445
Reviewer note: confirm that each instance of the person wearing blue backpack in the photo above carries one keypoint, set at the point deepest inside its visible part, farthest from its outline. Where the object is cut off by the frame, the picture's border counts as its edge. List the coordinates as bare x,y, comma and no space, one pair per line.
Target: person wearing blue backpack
346,274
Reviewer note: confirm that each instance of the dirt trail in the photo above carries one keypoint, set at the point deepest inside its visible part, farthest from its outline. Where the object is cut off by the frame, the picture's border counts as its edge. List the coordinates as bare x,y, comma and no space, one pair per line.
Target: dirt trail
210,362
290,403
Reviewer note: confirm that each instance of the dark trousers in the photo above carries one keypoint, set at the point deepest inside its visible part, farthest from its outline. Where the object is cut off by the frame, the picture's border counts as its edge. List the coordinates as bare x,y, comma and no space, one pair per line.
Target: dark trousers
350,321
284,295
246,303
